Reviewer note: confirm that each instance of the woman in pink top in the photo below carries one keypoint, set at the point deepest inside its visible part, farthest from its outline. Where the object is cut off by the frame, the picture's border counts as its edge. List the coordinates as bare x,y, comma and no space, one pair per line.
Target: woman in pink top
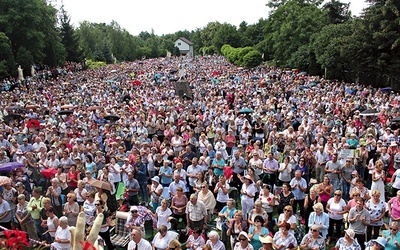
325,191
394,207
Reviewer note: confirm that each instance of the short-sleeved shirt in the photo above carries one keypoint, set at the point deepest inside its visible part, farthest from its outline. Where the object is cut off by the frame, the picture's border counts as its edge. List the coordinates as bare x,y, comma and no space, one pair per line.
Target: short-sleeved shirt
342,245
375,211
336,207
298,194
279,240
395,207
133,184
196,212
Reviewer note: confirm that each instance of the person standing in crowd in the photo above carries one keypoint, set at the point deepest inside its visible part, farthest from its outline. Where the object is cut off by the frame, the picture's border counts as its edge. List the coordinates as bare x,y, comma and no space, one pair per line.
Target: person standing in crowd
24,218
132,189
196,213
239,165
270,168
392,236
332,168
322,158
345,174
299,186
336,208
248,192
359,218
376,208
313,239
5,213
35,205
348,242
138,242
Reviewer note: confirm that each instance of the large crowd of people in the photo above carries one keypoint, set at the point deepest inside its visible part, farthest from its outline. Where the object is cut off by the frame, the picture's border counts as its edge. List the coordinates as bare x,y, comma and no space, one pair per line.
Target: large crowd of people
277,158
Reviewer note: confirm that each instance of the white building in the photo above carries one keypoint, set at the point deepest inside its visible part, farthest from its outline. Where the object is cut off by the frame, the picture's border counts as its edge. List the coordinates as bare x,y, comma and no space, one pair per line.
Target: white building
185,46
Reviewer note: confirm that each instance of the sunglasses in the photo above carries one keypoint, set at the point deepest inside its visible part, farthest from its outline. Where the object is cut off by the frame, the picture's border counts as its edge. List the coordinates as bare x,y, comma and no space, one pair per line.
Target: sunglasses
356,195
257,221
203,186
134,212
337,194
394,229
242,239
314,230
287,210
97,204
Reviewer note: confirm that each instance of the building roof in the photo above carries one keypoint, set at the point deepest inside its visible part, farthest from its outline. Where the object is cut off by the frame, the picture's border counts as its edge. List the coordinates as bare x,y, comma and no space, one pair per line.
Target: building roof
186,40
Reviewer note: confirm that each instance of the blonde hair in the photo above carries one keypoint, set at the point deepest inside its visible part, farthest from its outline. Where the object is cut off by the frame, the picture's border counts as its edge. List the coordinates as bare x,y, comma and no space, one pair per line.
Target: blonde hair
376,192
175,245
319,206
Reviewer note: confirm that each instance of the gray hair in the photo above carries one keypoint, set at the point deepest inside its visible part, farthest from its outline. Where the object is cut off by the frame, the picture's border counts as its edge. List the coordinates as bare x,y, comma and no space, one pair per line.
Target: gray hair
55,180
64,219
213,234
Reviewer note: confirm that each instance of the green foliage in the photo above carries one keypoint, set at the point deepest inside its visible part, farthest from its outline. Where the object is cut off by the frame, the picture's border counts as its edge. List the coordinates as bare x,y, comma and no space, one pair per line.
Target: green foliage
31,28
68,38
7,62
337,11
246,57
94,64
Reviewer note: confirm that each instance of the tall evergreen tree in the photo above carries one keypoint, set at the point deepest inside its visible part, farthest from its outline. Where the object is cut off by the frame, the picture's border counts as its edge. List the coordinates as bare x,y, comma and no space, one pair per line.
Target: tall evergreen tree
68,37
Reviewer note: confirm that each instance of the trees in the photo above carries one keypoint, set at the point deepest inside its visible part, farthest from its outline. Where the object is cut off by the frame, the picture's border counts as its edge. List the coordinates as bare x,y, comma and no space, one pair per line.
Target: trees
68,37
31,28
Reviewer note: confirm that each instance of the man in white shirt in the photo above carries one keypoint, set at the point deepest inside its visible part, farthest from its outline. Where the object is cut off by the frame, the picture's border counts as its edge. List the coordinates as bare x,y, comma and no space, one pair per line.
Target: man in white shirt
137,242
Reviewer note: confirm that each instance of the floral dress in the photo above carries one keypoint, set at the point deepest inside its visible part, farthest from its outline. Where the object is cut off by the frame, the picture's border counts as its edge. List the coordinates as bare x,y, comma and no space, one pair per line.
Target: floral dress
342,245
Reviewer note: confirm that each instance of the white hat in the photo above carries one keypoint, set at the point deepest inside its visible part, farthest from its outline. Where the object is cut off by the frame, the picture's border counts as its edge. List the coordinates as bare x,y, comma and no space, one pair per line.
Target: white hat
393,144
134,208
350,232
381,241
267,239
19,152
243,233
156,179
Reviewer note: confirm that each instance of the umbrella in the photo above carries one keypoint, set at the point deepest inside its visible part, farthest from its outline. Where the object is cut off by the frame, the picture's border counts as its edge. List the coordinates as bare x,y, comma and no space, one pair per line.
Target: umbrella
32,106
136,83
33,124
396,119
65,112
369,112
67,106
48,173
215,73
91,108
11,117
100,184
246,111
4,180
13,108
388,89
237,79
112,118
11,166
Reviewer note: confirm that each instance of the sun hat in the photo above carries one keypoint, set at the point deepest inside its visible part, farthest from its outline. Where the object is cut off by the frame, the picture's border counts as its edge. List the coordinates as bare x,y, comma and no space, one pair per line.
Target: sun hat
242,233
134,208
156,179
350,232
354,172
248,177
267,239
381,241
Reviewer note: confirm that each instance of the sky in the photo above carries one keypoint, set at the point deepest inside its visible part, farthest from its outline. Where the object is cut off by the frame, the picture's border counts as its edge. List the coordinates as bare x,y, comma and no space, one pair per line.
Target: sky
169,16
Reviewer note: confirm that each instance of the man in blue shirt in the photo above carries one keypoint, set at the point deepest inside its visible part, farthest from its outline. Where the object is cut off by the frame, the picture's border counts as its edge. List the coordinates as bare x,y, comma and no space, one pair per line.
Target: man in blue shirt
299,187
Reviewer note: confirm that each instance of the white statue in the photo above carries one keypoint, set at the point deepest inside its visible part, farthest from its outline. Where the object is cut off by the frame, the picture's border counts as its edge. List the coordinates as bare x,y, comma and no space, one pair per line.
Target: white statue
20,74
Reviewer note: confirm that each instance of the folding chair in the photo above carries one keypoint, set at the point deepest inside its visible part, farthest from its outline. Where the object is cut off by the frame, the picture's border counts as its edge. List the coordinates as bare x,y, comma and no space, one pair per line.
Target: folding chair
120,235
